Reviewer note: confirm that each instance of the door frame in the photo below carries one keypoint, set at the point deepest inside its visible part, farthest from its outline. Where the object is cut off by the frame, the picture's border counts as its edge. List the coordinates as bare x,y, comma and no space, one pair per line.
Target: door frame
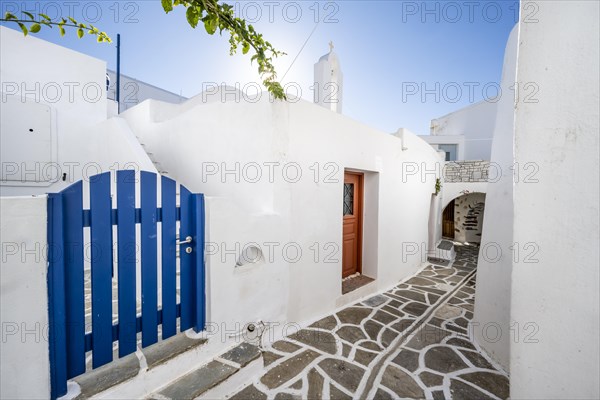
359,193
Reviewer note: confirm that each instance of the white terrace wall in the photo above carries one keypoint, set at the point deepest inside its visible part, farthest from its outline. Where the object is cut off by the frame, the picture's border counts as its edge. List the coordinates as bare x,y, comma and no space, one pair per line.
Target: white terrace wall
64,103
491,320
24,299
475,123
560,293
275,173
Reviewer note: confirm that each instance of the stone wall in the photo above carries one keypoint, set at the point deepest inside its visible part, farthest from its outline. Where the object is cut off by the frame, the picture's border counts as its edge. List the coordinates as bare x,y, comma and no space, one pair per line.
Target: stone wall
466,171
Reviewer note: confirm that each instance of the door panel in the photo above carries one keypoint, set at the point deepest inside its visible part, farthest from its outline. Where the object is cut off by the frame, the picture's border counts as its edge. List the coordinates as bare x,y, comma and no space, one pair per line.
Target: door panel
352,224
448,221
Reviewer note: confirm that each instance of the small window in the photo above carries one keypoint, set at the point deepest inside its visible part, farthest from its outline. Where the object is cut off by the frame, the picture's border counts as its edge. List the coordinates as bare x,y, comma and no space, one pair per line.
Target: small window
450,150
348,199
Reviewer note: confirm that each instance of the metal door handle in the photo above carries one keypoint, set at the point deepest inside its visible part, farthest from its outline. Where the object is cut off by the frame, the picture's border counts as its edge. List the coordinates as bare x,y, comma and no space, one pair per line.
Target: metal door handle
187,240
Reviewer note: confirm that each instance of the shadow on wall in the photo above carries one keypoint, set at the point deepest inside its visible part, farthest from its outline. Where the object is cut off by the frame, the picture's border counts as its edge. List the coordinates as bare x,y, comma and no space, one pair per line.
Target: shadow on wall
468,217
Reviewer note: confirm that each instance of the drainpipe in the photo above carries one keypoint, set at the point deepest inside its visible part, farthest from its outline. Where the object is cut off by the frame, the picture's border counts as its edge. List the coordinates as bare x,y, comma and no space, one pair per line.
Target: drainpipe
118,94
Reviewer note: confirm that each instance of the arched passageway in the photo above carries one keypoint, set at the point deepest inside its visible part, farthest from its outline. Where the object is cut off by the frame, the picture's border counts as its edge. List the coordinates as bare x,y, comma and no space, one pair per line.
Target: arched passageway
462,218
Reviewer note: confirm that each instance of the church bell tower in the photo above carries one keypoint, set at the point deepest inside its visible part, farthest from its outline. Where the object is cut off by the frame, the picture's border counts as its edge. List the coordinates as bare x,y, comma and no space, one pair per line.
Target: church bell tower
329,82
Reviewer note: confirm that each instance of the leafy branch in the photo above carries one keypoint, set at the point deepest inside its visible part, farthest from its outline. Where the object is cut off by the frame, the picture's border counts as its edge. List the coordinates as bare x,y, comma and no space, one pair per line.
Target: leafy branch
35,25
215,15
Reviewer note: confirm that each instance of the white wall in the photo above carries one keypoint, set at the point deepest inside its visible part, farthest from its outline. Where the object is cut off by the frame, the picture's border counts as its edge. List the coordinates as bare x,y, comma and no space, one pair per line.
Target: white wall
494,267
72,90
134,91
475,123
23,299
303,213
560,293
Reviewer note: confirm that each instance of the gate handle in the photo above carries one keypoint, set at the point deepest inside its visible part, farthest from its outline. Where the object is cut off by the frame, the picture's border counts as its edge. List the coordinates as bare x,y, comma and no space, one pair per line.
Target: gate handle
187,240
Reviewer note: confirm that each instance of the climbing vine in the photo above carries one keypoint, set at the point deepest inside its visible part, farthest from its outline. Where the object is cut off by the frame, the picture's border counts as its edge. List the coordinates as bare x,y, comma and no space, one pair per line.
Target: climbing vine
213,14
216,15
33,24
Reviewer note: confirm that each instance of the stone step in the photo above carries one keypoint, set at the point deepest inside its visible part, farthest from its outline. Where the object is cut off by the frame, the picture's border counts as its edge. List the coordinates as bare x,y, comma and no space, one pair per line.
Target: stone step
444,253
210,375
123,369
107,376
163,351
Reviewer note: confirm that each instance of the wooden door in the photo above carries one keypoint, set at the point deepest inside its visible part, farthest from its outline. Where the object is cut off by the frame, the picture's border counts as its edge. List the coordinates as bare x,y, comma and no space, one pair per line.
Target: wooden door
448,221
352,222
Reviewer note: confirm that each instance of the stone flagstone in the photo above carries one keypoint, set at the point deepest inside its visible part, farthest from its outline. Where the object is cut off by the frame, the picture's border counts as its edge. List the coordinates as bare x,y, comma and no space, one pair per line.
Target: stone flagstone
398,344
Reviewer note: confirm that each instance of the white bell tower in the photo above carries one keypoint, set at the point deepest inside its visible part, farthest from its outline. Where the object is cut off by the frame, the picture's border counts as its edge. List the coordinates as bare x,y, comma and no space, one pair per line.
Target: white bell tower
329,82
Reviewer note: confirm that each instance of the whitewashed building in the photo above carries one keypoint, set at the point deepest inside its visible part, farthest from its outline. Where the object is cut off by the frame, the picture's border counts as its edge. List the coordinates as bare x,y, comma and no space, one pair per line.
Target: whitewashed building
464,137
281,178
299,196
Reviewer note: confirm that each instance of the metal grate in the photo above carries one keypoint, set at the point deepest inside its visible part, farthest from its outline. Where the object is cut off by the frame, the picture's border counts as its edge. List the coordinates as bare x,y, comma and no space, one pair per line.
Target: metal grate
348,199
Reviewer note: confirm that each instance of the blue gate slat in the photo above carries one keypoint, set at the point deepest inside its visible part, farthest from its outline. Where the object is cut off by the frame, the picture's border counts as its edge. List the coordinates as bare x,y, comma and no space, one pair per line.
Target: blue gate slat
149,216
56,298
126,261
101,245
169,299
198,218
74,279
186,270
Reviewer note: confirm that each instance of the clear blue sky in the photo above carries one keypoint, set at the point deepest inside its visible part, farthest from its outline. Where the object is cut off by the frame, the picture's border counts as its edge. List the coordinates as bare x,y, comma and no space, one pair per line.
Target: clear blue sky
389,50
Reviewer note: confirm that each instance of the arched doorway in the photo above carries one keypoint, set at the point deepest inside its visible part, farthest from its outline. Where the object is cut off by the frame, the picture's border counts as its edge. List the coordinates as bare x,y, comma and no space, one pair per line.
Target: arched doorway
462,218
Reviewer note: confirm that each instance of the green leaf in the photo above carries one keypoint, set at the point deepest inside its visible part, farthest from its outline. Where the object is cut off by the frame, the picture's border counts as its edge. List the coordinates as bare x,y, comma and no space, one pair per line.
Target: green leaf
30,15
211,25
167,5
35,28
72,20
245,48
80,33
9,16
192,16
23,28
46,17
62,30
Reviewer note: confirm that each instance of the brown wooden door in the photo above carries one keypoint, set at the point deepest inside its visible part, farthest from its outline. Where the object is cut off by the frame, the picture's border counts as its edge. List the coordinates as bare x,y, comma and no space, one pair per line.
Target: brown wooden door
448,221
352,214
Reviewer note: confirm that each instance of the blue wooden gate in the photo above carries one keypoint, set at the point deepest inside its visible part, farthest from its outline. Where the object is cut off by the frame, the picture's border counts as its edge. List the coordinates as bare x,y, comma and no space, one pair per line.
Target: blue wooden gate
69,337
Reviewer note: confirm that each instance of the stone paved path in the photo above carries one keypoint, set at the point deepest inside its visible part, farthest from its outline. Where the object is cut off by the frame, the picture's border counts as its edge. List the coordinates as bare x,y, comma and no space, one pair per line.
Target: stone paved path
409,342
